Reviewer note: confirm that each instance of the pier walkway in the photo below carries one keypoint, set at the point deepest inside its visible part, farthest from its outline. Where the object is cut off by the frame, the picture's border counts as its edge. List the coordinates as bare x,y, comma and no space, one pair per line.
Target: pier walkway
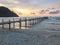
28,22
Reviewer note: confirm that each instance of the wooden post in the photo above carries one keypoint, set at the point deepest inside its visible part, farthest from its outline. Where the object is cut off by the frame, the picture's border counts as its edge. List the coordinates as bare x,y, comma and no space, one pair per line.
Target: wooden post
33,21
13,24
20,23
2,24
40,19
29,22
9,25
25,22
36,20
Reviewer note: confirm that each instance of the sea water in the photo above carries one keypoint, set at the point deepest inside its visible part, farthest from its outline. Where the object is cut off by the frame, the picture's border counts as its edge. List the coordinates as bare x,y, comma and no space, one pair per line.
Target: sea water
51,24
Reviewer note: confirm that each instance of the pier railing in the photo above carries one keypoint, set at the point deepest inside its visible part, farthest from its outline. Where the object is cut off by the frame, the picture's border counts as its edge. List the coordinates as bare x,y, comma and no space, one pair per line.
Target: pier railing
32,21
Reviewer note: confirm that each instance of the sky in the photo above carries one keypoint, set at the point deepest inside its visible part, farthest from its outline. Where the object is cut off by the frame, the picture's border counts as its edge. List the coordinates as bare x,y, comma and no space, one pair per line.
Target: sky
33,7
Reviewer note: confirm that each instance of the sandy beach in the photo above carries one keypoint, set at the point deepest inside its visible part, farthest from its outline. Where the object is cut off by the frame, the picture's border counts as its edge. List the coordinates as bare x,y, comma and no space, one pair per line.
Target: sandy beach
29,37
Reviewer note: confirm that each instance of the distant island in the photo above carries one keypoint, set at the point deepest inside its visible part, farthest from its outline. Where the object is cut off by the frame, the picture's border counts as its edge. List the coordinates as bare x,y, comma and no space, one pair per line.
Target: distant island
5,12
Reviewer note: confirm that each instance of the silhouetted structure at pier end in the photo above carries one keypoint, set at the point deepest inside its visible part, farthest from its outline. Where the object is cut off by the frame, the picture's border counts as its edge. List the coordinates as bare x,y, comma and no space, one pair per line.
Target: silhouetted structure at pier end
45,17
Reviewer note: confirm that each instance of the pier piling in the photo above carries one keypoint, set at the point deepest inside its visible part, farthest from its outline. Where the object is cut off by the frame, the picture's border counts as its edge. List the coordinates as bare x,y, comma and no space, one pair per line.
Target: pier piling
20,23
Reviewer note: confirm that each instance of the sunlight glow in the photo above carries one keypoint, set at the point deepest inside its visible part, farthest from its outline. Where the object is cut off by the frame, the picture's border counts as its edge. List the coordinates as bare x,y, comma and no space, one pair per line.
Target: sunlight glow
21,11
2,5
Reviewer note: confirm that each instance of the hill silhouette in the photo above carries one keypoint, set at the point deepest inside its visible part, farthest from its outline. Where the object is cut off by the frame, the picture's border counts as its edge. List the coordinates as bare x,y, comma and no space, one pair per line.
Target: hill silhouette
5,12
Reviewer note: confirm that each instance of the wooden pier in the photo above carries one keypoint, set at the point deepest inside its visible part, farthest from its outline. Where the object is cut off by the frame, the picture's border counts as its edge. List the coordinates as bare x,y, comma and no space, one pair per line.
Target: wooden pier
32,21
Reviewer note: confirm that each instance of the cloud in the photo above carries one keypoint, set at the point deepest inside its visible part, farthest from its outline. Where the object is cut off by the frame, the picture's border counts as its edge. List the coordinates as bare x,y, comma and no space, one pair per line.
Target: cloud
55,12
25,3
50,11
33,13
51,8
28,1
9,2
44,11
6,1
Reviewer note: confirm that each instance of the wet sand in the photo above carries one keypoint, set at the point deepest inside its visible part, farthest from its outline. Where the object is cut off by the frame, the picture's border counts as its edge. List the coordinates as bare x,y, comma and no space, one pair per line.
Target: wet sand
29,37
